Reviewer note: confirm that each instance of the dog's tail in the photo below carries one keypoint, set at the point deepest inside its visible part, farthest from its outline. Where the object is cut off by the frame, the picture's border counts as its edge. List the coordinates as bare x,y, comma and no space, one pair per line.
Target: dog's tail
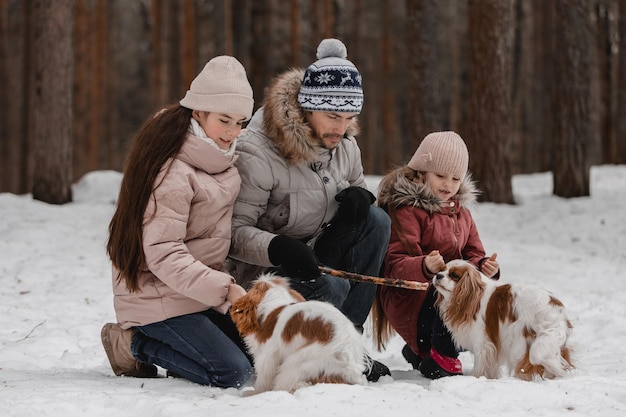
551,349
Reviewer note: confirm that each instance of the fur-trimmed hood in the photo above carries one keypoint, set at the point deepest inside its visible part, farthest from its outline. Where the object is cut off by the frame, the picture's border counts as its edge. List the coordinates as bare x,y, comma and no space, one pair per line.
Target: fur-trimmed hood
284,122
398,189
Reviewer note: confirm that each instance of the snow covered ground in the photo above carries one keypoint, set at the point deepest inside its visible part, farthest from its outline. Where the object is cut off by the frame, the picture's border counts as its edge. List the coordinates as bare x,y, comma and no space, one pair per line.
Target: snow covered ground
55,295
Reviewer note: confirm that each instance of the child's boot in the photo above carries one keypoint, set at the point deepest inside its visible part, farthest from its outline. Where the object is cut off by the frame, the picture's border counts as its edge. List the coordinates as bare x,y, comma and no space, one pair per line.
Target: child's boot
435,366
411,357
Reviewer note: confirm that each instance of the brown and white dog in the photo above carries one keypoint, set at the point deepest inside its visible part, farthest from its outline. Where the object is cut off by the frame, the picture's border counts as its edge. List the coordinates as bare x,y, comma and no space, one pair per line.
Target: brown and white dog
296,343
522,328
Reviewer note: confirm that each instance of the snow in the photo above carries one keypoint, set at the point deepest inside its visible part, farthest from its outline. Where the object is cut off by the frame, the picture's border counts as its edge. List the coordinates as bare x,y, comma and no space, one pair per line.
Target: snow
56,295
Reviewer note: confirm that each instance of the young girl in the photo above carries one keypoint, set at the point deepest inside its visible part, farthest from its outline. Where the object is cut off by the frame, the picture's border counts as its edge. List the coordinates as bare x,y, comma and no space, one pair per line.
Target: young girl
170,235
427,201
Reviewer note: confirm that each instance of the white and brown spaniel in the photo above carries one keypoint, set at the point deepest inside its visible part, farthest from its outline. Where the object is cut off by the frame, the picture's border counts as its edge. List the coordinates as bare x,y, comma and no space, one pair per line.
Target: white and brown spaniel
523,329
296,343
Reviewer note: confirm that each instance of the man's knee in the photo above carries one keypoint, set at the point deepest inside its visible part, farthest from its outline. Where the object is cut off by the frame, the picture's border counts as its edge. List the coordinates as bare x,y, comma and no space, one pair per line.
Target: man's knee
324,288
379,218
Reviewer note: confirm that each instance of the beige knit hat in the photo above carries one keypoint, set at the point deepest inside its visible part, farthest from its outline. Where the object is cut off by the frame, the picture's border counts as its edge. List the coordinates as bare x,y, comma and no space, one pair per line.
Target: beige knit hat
222,86
443,152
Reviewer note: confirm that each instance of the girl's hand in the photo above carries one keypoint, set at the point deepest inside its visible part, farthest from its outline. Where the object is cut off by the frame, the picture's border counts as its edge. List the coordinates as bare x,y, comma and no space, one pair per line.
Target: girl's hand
434,262
235,292
490,267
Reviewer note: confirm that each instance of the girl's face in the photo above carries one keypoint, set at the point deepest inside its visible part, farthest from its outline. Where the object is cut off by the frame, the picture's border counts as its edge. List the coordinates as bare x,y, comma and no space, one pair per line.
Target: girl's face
223,128
444,186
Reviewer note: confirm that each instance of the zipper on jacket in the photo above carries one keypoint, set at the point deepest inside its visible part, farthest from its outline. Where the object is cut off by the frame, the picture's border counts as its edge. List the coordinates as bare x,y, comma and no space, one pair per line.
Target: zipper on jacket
316,167
454,238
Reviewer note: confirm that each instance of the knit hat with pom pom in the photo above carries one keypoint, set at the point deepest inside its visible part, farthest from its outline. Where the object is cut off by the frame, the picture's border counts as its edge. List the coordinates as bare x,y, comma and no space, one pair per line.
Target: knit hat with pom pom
332,83
442,152
222,86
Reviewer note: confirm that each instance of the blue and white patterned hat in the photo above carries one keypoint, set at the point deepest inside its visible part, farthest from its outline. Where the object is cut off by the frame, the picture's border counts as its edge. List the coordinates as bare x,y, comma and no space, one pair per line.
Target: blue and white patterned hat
332,83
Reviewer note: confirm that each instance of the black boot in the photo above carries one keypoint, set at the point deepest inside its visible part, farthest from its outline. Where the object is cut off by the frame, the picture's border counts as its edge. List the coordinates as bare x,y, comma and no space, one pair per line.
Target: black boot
411,357
433,370
374,370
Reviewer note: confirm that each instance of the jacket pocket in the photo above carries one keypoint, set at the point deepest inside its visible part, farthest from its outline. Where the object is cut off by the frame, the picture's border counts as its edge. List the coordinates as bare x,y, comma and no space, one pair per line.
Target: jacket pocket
276,217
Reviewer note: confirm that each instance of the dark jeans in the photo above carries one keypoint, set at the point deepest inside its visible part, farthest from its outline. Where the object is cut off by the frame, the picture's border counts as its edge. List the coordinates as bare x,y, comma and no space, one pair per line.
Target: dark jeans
202,347
431,332
354,248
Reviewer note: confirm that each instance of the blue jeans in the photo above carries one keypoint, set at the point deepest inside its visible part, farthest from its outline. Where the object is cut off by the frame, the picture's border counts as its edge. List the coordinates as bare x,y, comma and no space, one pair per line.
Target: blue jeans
358,248
202,347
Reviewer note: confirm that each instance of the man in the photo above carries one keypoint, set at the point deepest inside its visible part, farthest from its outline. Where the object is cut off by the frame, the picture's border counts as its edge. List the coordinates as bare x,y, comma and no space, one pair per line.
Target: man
303,198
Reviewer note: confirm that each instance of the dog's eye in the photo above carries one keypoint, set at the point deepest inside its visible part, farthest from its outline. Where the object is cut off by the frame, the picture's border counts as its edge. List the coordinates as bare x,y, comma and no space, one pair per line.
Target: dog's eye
454,275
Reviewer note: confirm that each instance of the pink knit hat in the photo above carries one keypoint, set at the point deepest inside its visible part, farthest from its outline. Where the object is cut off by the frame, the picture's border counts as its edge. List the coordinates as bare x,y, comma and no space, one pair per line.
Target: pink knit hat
222,86
443,152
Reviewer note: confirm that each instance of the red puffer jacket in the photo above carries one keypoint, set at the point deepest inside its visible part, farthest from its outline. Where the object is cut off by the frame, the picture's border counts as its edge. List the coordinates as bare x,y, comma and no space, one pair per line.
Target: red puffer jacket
422,223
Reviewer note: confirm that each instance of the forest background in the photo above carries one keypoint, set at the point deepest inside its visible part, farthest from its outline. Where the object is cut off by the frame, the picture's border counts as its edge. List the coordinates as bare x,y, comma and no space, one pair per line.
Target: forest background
531,85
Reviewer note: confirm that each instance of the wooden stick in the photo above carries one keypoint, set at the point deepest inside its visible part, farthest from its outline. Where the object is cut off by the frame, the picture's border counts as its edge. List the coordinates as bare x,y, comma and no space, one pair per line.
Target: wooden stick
400,283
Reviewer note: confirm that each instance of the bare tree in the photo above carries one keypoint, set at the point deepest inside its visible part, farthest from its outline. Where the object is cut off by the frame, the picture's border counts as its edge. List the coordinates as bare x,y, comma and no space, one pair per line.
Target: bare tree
51,106
489,113
388,109
5,169
602,76
16,161
424,115
572,125
620,131
535,147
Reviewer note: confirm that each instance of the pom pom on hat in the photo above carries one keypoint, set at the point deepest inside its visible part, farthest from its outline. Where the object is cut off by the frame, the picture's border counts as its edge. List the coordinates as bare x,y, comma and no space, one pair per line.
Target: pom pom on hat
331,47
443,152
332,83
221,86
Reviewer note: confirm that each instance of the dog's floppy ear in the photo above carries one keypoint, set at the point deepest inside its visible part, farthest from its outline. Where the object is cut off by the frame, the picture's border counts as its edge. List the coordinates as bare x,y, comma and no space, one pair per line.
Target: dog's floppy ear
244,310
243,313
466,296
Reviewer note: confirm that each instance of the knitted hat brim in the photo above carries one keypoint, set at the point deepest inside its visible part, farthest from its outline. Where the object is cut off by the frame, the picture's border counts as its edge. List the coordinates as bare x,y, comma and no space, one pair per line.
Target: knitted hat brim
222,103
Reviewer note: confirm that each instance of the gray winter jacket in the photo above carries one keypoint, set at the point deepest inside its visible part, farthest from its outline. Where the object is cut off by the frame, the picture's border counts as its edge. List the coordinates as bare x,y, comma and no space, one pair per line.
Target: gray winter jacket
289,181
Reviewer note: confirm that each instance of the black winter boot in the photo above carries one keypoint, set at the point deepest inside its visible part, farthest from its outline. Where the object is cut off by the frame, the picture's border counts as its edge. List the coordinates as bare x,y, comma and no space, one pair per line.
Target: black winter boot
435,366
411,357
374,370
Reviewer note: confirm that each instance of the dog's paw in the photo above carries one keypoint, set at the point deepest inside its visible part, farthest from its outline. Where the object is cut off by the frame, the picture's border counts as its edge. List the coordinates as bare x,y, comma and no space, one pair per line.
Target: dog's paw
248,392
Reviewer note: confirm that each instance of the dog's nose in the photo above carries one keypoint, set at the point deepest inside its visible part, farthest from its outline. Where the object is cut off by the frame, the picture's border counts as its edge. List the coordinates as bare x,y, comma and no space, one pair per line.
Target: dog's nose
439,276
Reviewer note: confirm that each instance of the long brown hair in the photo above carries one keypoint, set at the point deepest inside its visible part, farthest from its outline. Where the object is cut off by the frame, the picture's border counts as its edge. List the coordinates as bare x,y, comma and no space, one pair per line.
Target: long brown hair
382,330
159,139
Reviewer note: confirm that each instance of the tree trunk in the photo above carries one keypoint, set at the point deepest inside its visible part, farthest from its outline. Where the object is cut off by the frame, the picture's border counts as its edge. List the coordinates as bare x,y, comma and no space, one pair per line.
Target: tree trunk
488,129
536,151
572,135
388,109
52,102
424,115
620,130
16,161
602,74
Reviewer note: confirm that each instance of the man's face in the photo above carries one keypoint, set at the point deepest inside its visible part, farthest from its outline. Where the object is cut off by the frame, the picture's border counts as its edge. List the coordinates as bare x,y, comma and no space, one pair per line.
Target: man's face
329,127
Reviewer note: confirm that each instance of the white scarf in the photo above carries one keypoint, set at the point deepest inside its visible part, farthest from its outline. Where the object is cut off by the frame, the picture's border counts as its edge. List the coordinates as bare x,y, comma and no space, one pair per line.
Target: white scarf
197,130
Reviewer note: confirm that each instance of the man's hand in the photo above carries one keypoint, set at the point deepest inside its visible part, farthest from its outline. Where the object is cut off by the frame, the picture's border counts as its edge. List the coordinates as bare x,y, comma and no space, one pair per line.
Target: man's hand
354,205
295,257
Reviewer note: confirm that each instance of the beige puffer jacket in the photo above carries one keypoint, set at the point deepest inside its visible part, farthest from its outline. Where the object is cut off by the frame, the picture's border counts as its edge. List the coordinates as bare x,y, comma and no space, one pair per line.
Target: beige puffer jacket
187,239
289,182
